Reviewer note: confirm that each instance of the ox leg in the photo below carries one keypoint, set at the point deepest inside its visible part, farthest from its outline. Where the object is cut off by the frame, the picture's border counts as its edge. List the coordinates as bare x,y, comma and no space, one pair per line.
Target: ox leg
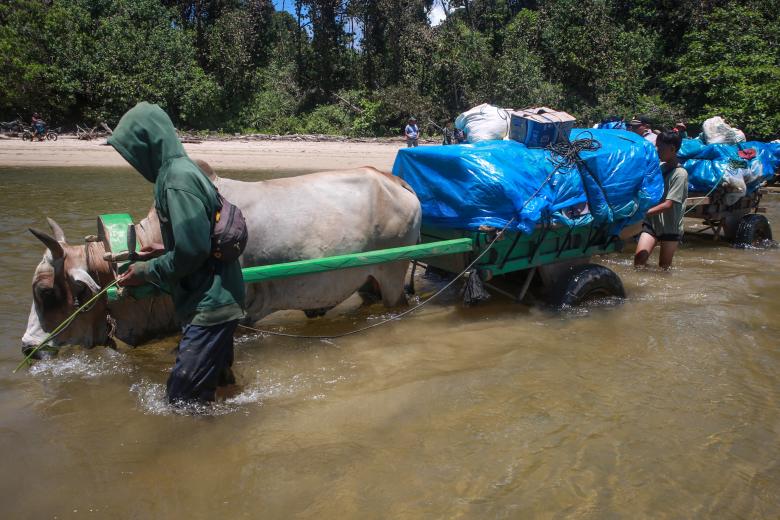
370,291
316,313
391,278
256,300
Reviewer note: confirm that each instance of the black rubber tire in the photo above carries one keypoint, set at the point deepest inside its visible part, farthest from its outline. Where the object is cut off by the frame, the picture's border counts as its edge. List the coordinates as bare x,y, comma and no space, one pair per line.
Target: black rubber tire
26,136
51,136
586,282
754,230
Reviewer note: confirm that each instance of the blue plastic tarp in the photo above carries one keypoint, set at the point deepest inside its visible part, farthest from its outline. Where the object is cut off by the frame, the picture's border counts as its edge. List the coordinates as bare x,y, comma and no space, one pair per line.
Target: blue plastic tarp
491,182
613,125
707,164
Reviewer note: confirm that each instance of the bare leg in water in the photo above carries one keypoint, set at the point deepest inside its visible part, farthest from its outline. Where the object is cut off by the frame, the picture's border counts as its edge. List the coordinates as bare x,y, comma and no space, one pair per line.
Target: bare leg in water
644,248
668,248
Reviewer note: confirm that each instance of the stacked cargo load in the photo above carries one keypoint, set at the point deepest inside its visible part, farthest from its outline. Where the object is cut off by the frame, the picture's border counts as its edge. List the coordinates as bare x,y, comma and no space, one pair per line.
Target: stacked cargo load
612,180
738,168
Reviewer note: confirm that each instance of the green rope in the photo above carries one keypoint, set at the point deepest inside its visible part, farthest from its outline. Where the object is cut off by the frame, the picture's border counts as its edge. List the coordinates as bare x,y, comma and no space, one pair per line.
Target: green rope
62,326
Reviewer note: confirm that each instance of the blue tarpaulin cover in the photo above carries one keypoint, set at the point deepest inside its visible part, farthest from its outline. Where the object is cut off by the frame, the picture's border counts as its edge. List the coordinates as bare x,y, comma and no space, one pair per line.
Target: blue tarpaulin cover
707,164
613,125
490,182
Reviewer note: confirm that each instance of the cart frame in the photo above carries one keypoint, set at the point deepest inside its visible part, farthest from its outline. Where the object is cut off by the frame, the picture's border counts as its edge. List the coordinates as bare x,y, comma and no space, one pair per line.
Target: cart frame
725,220
555,249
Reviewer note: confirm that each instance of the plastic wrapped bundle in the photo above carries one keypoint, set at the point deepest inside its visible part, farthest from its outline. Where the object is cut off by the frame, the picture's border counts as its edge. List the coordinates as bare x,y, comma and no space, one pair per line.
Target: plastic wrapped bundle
491,182
716,131
717,165
484,123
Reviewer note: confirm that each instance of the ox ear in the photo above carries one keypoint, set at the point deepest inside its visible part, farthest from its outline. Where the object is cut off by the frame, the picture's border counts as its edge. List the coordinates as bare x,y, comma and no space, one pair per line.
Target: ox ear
59,234
50,242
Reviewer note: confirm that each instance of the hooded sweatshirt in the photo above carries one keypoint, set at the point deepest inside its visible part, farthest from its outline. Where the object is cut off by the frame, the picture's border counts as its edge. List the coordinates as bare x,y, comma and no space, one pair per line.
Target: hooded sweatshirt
205,291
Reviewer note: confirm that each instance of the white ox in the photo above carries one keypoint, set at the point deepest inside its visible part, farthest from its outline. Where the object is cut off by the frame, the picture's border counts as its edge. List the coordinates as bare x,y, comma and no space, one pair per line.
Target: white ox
297,218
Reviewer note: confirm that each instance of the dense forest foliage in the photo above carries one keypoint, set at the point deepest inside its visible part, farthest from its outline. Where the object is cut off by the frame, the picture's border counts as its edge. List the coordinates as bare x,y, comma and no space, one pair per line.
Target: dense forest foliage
360,67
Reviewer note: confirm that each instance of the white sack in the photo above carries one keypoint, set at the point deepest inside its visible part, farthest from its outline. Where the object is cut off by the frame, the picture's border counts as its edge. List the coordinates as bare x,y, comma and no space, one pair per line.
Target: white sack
717,131
754,172
733,184
483,123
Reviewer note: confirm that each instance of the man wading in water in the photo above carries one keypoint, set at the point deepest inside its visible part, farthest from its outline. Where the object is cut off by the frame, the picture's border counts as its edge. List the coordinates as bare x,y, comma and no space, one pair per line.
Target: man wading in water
208,294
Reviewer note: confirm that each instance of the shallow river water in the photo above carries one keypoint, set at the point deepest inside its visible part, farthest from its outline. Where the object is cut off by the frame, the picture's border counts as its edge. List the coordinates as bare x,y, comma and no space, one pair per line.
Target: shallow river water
667,406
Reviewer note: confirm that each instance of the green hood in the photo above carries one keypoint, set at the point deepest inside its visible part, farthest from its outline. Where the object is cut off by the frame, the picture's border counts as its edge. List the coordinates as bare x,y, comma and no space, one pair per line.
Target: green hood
146,138
204,292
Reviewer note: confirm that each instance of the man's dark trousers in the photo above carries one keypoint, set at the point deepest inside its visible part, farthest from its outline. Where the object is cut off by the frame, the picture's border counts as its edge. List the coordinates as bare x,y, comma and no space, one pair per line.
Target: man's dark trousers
204,354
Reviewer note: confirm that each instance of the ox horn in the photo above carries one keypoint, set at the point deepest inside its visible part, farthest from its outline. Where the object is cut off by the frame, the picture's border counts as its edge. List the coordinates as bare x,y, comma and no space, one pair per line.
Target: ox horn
54,246
59,234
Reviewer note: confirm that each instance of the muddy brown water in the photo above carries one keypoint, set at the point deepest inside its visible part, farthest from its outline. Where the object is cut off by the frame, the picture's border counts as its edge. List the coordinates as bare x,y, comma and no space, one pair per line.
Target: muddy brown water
667,406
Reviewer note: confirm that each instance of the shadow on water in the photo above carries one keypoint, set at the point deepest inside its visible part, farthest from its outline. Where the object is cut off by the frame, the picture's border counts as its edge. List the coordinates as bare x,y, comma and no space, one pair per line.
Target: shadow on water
663,406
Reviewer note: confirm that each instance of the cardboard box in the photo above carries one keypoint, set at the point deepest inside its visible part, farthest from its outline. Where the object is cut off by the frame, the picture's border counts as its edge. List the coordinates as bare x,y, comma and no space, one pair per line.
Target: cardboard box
539,127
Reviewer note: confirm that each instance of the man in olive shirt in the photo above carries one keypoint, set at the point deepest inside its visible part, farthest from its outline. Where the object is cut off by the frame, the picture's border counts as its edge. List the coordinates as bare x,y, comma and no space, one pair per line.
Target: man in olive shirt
664,222
208,294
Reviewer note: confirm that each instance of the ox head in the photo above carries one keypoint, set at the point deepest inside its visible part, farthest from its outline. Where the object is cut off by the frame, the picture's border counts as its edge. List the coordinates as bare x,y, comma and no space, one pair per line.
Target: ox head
60,285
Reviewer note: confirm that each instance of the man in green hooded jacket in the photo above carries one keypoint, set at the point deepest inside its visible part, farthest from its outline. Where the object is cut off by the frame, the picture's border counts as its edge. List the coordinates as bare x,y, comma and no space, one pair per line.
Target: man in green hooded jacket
208,294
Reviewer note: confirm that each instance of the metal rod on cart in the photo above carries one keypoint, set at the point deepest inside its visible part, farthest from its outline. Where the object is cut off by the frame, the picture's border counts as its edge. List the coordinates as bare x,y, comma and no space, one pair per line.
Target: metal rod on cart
526,284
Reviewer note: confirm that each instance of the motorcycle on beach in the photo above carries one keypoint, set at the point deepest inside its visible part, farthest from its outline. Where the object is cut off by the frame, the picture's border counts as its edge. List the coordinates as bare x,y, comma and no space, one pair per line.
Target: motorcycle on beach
29,134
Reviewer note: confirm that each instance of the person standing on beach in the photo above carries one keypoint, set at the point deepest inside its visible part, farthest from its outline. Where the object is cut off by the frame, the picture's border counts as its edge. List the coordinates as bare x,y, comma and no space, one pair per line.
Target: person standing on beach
412,133
208,293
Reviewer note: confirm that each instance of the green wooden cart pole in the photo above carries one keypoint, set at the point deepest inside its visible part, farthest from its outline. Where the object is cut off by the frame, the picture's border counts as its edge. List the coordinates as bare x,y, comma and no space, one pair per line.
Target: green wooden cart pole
332,263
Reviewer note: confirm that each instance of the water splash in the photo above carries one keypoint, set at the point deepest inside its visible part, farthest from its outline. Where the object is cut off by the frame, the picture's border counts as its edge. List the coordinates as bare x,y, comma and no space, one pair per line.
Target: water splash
151,398
83,364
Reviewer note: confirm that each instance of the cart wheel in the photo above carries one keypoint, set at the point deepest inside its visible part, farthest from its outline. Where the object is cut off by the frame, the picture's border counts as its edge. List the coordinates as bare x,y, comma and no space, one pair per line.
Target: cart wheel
584,283
753,231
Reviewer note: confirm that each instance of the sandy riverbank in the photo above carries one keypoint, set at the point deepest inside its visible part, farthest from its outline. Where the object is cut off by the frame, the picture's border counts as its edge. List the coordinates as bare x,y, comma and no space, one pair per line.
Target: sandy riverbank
233,155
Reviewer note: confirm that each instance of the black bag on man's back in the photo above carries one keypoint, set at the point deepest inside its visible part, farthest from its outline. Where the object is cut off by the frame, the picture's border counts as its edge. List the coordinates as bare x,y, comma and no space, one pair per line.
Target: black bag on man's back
228,240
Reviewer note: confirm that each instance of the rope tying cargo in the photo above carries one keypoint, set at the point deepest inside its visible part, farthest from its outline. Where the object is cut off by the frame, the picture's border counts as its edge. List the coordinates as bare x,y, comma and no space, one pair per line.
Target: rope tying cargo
567,155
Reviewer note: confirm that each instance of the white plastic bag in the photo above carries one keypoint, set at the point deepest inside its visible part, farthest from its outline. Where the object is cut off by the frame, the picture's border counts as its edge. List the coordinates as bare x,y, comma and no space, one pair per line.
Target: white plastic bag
483,123
717,131
754,172
733,184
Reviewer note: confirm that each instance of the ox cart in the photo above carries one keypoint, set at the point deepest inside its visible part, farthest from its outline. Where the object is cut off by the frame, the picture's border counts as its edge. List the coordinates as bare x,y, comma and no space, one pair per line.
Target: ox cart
741,223
506,262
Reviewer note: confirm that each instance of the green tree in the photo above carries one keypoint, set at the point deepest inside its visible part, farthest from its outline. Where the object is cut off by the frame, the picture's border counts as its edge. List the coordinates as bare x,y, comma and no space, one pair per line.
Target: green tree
329,70
601,64
275,102
462,67
238,64
30,76
731,68
238,44
521,80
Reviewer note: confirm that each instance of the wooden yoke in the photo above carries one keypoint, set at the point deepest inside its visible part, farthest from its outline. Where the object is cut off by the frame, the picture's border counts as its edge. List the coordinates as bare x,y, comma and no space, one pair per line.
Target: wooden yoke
113,233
